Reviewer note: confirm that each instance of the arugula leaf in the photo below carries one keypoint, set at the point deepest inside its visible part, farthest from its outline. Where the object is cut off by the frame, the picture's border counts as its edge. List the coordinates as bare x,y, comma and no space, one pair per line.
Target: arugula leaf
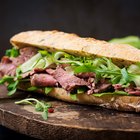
39,106
48,90
12,82
125,78
59,55
62,57
84,68
12,85
131,40
12,52
135,78
81,90
115,79
109,93
32,88
104,68
45,114
11,92
7,79
44,52
73,96
18,72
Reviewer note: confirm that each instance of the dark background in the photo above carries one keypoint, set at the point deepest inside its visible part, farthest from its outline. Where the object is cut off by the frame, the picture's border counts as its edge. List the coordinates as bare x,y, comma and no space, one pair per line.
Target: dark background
101,19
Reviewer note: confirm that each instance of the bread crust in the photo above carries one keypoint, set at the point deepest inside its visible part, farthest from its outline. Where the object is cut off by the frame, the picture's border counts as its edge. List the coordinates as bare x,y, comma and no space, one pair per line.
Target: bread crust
117,102
71,43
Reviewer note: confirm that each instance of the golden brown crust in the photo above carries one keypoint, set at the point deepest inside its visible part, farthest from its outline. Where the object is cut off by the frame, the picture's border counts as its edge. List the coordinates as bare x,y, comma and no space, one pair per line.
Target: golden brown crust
71,43
117,102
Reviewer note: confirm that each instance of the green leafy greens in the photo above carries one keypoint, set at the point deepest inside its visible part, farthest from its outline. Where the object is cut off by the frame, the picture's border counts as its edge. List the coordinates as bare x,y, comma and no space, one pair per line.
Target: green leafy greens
103,67
12,82
12,52
39,106
110,93
32,88
131,40
48,90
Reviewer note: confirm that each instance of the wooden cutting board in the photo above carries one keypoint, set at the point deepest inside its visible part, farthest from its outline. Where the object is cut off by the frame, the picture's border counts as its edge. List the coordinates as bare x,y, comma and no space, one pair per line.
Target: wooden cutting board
69,121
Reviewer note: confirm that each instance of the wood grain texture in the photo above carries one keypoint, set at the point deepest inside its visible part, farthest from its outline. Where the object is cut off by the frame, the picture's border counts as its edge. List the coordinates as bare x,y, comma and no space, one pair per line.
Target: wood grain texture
69,121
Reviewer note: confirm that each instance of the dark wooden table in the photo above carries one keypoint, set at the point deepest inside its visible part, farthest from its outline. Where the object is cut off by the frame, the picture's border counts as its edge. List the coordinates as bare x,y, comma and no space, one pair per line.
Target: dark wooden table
69,121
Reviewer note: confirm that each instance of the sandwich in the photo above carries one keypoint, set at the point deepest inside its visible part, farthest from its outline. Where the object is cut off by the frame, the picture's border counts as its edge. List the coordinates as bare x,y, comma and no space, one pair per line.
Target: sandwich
73,69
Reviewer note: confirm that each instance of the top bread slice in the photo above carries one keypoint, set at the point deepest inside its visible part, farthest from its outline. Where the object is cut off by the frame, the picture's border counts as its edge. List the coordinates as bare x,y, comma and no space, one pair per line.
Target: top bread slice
73,44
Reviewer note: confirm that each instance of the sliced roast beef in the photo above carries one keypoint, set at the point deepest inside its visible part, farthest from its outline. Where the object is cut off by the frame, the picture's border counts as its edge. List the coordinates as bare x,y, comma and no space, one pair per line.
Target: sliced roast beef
90,91
131,89
28,51
25,54
68,81
118,87
6,60
86,75
32,72
39,70
8,65
91,82
102,85
50,71
134,92
18,60
43,80
7,69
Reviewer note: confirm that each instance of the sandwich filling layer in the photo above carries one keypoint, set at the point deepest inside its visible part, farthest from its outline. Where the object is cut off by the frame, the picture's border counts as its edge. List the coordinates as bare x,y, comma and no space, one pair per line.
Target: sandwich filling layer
47,70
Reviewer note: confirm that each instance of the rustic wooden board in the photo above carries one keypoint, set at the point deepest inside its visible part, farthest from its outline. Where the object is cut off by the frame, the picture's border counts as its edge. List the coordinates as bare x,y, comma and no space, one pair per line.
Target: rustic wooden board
69,121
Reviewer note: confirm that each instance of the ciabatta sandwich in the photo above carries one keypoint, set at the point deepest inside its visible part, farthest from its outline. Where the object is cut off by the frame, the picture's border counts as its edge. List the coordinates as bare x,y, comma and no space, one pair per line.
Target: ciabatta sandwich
73,69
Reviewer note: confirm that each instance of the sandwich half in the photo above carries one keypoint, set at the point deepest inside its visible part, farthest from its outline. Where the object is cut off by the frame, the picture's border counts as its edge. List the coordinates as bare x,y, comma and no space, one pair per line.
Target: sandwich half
73,69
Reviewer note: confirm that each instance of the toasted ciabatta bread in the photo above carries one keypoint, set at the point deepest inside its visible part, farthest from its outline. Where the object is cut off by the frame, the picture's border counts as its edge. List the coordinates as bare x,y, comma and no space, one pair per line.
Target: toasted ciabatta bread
73,44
